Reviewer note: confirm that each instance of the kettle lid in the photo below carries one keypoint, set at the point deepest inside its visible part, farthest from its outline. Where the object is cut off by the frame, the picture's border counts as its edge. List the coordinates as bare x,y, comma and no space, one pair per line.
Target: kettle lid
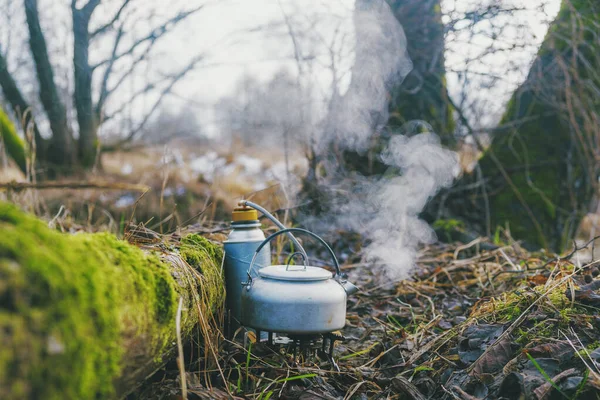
295,273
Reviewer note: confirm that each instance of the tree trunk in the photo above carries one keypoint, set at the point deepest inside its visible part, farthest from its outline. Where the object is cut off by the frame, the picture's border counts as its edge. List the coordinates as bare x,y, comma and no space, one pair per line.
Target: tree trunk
86,118
20,107
423,95
541,170
61,151
89,316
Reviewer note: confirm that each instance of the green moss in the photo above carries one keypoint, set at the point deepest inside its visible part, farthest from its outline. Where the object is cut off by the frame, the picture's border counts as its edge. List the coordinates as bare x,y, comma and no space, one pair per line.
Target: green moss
556,297
540,153
509,306
449,229
206,256
540,330
12,142
588,349
67,303
506,307
448,224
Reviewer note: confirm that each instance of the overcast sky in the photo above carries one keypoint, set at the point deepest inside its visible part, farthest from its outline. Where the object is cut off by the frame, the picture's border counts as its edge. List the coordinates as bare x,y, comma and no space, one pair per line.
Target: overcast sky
240,37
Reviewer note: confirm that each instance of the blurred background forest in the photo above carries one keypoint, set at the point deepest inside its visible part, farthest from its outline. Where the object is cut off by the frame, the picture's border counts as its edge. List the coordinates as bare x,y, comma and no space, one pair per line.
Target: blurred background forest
205,102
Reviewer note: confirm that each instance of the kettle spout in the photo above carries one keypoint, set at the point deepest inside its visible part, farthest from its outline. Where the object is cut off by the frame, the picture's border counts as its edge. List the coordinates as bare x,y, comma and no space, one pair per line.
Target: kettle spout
349,287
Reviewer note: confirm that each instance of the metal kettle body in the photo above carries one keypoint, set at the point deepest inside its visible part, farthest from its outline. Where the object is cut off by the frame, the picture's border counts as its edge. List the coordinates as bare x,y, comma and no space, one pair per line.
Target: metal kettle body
294,307
295,299
240,247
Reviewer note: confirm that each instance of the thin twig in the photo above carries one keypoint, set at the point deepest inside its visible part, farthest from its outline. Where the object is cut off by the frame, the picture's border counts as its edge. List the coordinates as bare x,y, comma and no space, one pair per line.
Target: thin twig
180,359
19,186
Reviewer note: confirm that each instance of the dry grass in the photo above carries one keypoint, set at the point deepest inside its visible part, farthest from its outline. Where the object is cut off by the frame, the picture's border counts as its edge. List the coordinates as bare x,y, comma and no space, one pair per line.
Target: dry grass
406,338
177,195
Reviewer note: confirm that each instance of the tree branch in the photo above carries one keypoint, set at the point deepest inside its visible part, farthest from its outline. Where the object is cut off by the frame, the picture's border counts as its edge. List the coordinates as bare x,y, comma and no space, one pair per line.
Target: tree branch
62,140
102,29
19,186
104,85
163,93
89,8
152,37
20,106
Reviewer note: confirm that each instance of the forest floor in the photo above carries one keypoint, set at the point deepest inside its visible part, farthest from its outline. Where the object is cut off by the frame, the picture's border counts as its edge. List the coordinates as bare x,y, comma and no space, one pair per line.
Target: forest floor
478,321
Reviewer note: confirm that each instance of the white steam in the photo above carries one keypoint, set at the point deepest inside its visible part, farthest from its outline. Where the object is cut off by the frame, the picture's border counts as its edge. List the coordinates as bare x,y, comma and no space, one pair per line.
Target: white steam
360,47
381,62
385,210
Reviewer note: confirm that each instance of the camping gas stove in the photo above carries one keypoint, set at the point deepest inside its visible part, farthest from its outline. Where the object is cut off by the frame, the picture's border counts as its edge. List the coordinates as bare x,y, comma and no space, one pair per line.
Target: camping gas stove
305,347
303,305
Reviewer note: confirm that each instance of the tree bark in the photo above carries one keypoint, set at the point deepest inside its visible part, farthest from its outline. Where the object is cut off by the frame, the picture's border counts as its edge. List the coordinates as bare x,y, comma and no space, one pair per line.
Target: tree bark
86,117
89,316
61,150
20,107
540,173
423,95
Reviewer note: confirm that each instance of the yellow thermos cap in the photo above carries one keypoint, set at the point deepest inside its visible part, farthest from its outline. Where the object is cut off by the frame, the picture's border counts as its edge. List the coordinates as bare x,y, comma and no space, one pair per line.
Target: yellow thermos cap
244,214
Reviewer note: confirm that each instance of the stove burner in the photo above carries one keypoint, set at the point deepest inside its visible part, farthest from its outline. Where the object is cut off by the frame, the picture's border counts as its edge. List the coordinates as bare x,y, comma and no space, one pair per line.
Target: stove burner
305,347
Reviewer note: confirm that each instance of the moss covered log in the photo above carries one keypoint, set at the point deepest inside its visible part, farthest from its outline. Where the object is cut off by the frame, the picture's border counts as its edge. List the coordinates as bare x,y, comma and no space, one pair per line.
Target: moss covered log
87,316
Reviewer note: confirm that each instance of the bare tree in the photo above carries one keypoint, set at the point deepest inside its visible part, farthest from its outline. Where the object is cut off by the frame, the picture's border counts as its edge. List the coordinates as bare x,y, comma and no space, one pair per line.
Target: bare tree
61,150
170,125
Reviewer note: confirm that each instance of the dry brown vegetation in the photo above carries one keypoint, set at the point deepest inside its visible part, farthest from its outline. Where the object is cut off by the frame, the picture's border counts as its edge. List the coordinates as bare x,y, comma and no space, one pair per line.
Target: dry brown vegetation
156,185
479,320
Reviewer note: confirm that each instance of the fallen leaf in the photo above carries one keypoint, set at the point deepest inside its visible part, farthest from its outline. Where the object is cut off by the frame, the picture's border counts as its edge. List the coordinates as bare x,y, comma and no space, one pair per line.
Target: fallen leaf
537,280
511,387
533,377
475,340
562,351
495,358
402,386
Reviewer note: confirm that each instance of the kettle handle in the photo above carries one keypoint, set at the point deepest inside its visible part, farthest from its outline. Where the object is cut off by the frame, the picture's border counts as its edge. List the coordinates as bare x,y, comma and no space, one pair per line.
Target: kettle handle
297,230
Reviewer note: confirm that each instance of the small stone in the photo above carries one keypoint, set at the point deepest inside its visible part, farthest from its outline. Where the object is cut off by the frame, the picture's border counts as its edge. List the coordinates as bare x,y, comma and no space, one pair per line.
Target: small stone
55,346
13,265
444,324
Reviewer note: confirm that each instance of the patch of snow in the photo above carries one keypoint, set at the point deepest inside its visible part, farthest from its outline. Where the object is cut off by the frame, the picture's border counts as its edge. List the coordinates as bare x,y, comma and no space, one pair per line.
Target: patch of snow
178,191
172,156
127,200
207,165
126,169
277,172
250,165
260,185
228,169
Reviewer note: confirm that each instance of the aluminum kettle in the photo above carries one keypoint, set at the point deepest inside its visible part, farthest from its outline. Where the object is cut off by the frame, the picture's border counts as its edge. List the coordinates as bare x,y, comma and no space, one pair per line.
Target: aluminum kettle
293,299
